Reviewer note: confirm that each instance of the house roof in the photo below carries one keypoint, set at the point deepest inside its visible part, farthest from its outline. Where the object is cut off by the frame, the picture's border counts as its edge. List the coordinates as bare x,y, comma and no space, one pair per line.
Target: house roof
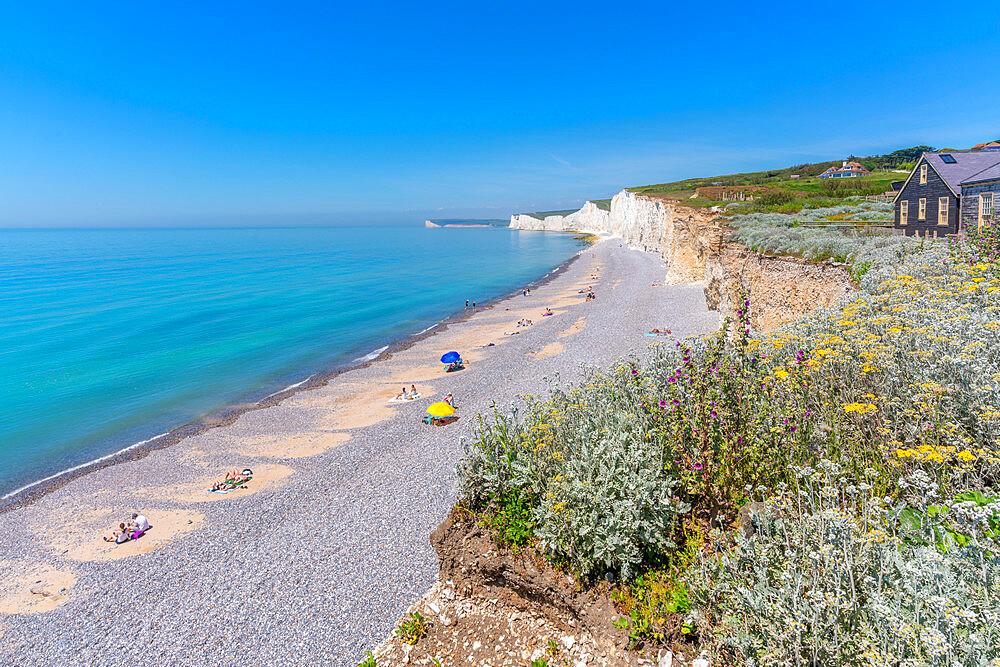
988,174
966,165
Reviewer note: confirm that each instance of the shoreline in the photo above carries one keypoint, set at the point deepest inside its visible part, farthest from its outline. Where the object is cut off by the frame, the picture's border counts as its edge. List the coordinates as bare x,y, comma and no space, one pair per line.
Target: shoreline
228,414
332,532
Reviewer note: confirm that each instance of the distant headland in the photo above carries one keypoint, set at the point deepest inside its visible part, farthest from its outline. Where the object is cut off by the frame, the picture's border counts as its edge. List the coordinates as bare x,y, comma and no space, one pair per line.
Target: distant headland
461,222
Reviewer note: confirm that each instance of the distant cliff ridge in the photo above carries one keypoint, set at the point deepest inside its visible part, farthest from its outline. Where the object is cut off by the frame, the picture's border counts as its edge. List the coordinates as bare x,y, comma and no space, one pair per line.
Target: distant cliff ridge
463,222
590,218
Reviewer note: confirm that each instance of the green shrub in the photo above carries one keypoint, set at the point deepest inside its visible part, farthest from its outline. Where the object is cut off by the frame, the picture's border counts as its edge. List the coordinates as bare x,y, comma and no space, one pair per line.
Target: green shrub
369,660
775,198
831,575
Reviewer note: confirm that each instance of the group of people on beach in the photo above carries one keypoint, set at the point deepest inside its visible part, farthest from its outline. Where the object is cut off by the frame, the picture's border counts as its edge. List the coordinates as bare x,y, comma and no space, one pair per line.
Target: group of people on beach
130,530
408,394
233,479
524,322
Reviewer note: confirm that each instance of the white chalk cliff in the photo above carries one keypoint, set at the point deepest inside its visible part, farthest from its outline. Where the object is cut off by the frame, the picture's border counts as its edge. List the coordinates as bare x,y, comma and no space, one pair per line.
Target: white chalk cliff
691,241
682,236
590,218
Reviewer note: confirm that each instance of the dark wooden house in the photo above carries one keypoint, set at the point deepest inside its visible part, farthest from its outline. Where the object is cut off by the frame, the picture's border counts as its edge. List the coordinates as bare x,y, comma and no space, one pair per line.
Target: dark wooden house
947,192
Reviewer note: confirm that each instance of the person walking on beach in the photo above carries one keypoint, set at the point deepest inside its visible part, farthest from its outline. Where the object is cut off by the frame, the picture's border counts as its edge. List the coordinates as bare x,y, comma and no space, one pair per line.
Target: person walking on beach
473,305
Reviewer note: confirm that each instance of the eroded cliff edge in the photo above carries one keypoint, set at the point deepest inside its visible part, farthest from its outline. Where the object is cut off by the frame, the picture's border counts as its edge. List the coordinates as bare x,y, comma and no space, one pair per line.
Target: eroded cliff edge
692,242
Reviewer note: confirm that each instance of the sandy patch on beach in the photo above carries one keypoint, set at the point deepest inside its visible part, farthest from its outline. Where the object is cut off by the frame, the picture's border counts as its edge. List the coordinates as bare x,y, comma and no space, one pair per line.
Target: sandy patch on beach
32,588
264,476
549,350
576,327
80,533
290,445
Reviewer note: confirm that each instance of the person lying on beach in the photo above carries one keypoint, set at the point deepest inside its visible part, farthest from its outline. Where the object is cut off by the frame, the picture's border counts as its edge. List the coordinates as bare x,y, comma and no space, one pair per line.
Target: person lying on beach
488,344
511,333
231,481
660,331
439,421
119,536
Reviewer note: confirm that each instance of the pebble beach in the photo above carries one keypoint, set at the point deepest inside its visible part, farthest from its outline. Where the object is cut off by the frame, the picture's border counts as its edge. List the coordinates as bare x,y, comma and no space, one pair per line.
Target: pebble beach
327,546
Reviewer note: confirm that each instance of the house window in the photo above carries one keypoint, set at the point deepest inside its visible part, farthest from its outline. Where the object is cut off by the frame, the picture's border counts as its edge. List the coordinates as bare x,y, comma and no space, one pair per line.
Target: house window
923,174
985,207
904,210
922,209
942,211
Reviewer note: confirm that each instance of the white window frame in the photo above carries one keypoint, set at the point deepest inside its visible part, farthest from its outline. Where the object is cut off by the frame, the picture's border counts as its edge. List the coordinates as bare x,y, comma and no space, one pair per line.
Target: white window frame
923,174
943,210
984,209
922,208
904,212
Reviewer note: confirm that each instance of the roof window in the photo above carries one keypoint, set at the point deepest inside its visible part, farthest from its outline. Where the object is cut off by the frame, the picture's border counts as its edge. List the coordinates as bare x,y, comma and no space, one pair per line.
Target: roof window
947,158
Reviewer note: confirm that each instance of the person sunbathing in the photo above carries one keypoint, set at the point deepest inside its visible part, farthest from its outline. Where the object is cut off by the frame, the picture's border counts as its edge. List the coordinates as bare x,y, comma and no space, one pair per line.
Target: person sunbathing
413,391
119,536
548,311
402,395
237,477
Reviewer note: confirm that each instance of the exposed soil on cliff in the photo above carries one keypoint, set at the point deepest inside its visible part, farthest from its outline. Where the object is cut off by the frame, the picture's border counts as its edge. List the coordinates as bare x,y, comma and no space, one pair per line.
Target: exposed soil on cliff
781,289
495,607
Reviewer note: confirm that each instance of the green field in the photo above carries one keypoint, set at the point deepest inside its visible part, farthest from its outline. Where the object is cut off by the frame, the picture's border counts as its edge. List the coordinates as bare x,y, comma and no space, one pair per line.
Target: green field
541,215
783,193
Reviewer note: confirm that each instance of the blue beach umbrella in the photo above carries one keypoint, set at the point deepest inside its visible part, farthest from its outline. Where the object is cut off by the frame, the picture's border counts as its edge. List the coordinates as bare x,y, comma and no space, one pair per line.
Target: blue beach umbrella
451,357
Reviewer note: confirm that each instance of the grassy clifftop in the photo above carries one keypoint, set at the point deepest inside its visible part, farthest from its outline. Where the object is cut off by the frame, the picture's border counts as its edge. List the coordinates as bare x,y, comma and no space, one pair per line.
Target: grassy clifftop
782,192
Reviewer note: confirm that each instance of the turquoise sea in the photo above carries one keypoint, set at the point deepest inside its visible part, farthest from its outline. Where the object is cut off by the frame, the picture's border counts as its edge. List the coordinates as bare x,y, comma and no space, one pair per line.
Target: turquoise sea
112,336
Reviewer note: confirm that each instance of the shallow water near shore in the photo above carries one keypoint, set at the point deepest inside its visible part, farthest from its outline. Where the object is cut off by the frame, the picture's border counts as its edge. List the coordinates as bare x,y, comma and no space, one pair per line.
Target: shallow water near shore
109,337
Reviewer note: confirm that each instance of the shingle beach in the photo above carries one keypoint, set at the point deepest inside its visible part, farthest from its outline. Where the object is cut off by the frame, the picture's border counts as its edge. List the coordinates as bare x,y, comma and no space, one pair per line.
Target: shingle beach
312,563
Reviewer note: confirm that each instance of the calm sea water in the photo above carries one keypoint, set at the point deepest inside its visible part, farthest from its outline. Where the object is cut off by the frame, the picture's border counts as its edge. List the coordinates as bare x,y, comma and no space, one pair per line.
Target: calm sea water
109,337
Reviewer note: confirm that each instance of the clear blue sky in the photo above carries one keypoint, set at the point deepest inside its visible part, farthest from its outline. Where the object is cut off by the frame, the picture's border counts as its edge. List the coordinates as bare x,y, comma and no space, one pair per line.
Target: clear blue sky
218,112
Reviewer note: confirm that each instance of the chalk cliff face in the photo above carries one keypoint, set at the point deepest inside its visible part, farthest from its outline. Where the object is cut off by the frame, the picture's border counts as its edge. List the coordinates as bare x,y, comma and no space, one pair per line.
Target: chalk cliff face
590,218
692,244
781,289
682,236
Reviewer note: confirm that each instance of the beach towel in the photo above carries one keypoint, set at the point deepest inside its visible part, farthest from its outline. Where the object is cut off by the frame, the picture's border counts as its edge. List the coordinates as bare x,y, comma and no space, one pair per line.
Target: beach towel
411,397
232,489
653,334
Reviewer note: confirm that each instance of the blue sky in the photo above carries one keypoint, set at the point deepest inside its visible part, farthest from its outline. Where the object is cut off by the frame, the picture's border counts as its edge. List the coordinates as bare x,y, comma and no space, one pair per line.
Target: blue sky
226,113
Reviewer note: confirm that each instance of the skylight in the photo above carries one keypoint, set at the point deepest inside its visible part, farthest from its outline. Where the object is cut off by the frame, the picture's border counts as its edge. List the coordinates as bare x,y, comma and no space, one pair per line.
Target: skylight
947,158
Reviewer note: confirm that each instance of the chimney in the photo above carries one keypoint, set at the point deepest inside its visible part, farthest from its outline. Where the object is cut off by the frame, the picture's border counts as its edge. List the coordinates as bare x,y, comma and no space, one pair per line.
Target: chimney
845,164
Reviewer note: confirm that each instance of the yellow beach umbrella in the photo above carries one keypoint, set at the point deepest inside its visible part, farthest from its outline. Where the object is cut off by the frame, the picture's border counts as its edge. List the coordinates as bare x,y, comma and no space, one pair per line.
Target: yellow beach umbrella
440,409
